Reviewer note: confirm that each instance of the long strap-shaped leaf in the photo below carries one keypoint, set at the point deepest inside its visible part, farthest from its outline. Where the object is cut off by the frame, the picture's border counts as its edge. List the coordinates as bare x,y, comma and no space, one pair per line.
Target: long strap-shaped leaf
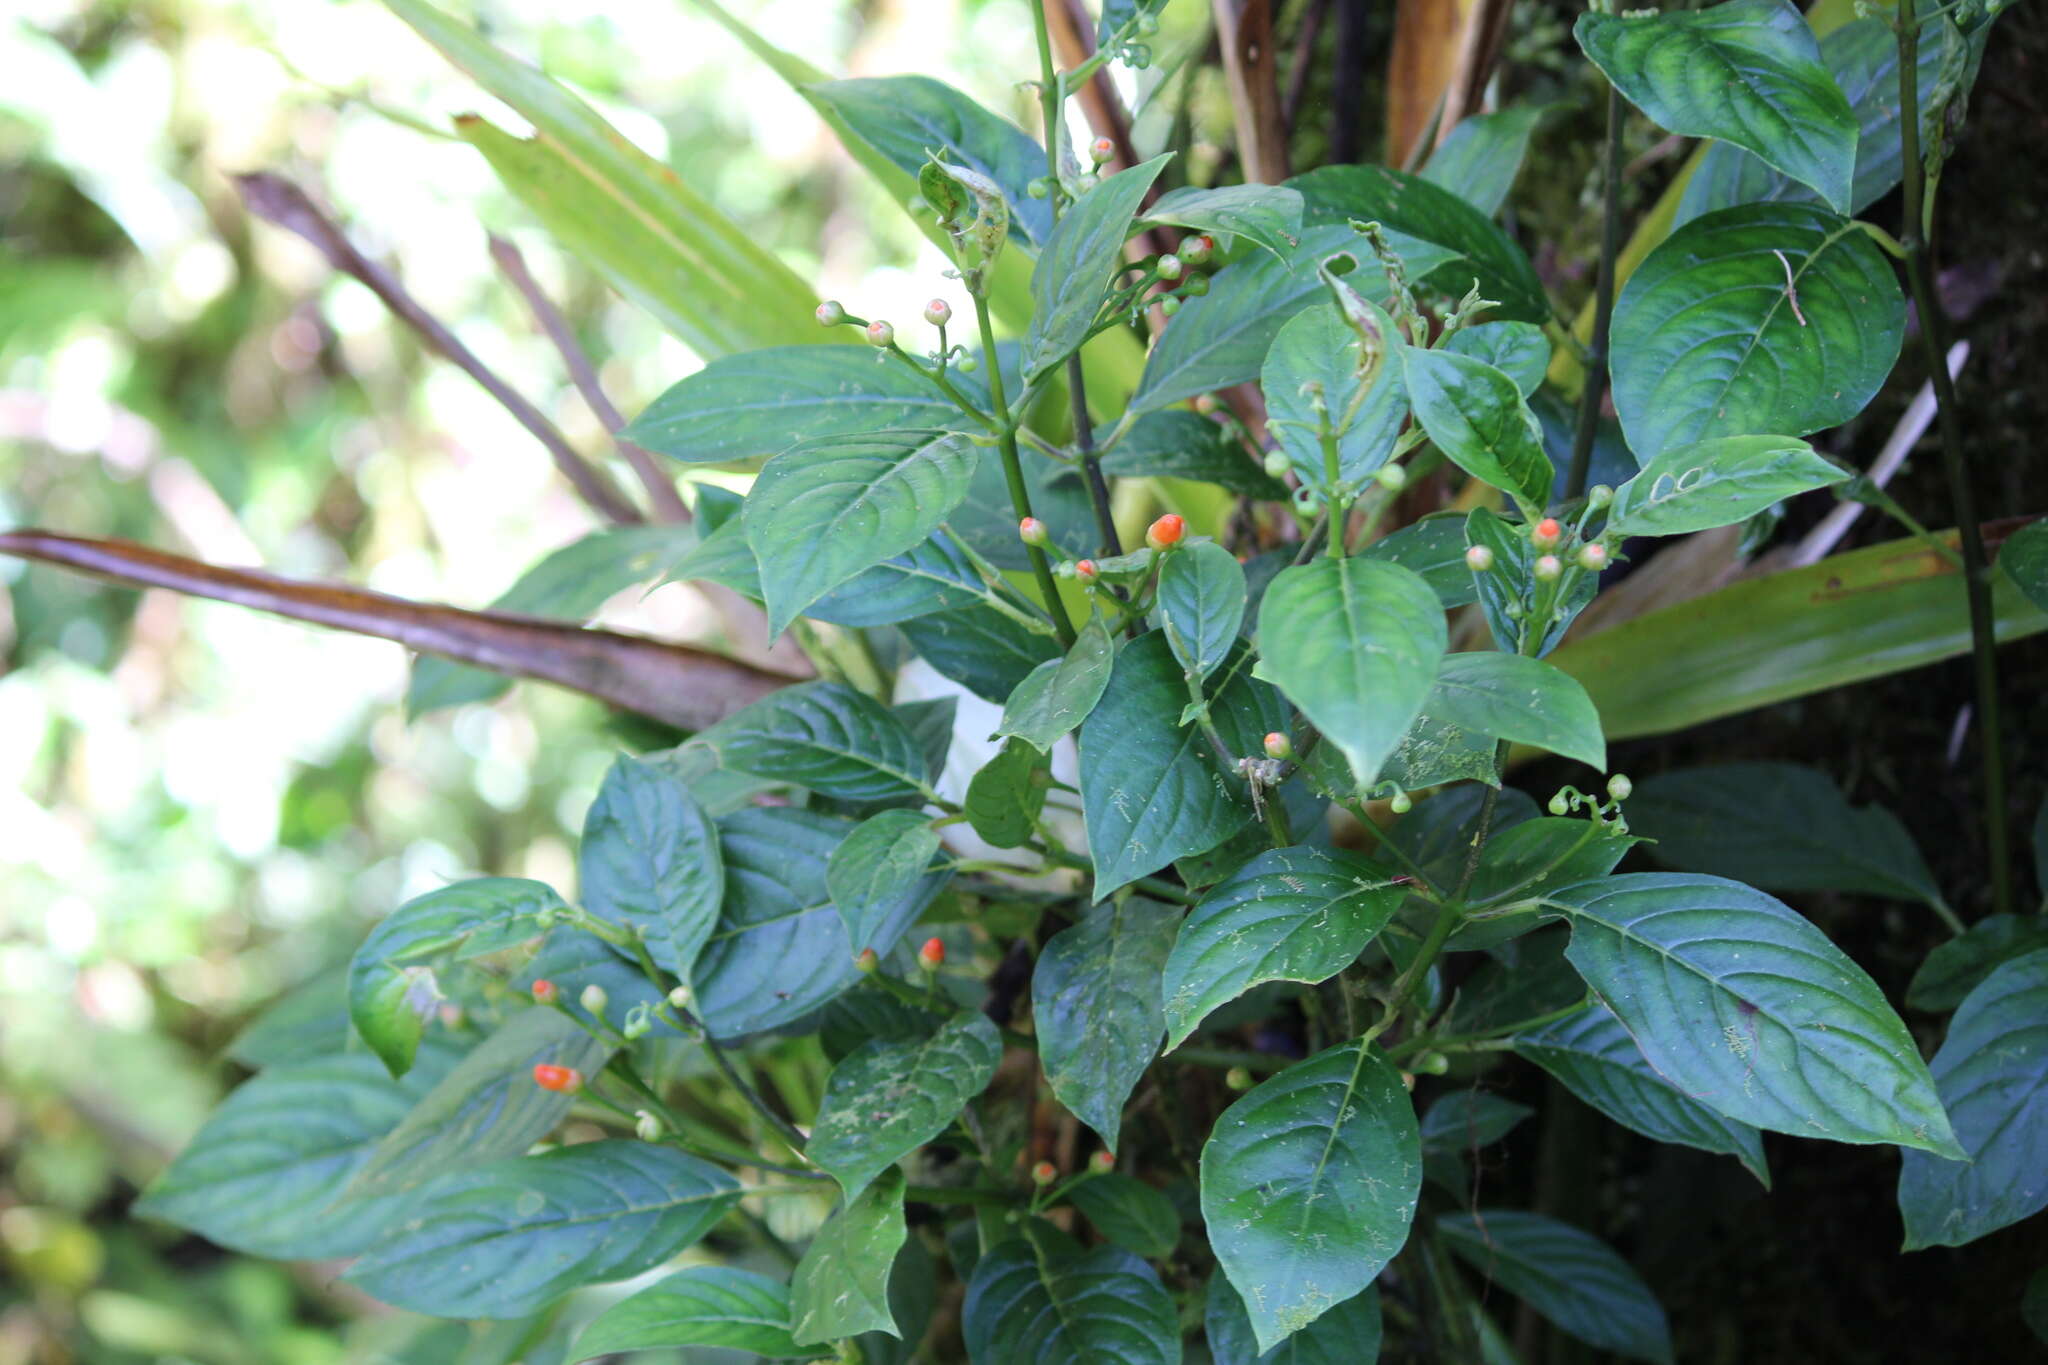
688,688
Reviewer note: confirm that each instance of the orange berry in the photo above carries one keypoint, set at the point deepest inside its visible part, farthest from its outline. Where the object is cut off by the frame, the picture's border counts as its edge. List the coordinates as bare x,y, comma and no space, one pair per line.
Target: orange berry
1166,532
564,1079
544,991
932,954
1547,534
1044,1173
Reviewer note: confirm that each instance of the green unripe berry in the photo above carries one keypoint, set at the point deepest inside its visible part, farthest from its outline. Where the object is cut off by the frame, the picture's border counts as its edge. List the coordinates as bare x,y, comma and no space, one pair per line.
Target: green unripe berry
1401,804
1196,286
646,1127
1238,1078
1431,1064
1479,559
1168,306
594,999
967,364
1391,476
1619,787
1169,267
1560,804
1039,188
1598,496
1277,463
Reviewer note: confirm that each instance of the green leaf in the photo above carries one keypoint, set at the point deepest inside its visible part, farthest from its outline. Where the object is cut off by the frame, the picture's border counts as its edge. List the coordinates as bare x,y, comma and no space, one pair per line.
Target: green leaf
913,1295
1465,1120
1150,789
1432,752
1744,71
1178,444
1476,416
1570,1277
1073,272
486,1107
1955,968
1717,482
885,1100
706,1305
1591,1054
1992,1071
506,1239
1130,1213
310,1023
1057,695
268,1173
1107,1307
391,987
1221,338
570,585
1201,604
1481,156
1518,350
909,119
1707,341
1316,357
823,511
2024,557
1520,866
1268,215
868,875
764,402
827,737
980,648
656,241
1290,914
1863,58
780,950
1749,1009
650,862
1095,1000
1355,643
1006,794
841,1286
1779,826
1309,1184
1525,700
1433,547
1444,241
1348,1334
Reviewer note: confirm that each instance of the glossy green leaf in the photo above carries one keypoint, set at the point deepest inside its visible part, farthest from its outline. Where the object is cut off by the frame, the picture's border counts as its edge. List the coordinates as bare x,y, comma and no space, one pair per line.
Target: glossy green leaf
1149,786
1466,1120
780,950
764,402
485,1107
1957,967
1031,1306
1348,1334
880,861
980,648
1222,337
1355,643
1201,604
1309,1184
654,239
570,585
506,1239
1992,1071
910,119
268,1173
1290,914
706,1305
1058,694
1129,1212
1570,1277
1743,71
885,1100
1433,547
827,737
1444,241
1476,416
1514,697
1749,1009
1073,271
650,861
1518,350
841,1286
1006,794
1269,215
1779,826
1717,482
2024,557
1095,1001
1178,444
391,987
1480,157
1591,1054
823,511
1315,359
1708,341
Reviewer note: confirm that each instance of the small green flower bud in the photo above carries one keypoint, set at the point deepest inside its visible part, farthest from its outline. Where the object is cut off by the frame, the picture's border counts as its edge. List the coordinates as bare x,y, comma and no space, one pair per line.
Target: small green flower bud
1619,787
594,999
646,1127
1479,559
1401,804
680,997
1598,496
1391,476
830,314
1168,306
967,364
1431,1064
1277,463
1238,1078
881,335
1169,267
1560,804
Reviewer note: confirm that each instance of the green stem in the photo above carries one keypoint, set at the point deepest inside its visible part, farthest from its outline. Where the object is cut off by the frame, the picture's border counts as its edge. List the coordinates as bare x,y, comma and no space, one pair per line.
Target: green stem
1976,564
1603,304
1013,473
1447,919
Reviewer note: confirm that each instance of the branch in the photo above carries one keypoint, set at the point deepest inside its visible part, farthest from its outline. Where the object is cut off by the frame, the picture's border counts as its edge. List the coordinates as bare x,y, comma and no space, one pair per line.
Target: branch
680,686
277,200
